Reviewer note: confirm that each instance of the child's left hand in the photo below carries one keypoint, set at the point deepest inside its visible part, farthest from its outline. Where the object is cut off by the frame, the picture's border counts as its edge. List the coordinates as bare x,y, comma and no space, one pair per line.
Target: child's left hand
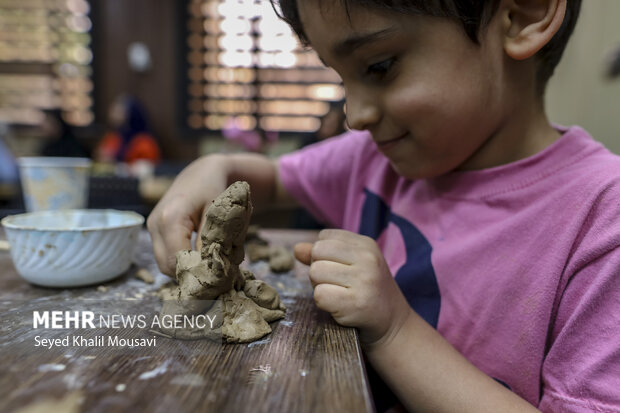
352,281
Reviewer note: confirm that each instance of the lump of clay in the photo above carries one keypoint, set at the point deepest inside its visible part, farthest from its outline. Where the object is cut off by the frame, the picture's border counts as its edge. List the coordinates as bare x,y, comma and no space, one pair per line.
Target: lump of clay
263,294
280,259
244,306
258,252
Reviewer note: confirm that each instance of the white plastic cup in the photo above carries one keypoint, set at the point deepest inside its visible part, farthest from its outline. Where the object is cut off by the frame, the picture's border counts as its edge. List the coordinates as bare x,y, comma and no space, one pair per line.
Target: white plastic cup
53,183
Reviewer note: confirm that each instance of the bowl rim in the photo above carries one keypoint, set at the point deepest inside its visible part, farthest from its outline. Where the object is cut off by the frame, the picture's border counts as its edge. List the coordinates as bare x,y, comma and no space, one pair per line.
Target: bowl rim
6,221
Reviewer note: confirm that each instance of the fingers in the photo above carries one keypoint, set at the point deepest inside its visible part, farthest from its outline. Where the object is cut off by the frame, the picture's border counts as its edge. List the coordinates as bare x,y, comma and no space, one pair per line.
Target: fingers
169,233
334,250
333,299
333,245
180,211
328,250
345,236
329,272
303,252
165,248
166,261
203,221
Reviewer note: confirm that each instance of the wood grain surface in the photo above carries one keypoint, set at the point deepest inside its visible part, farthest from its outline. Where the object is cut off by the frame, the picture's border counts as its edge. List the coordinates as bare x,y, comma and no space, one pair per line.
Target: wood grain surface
307,364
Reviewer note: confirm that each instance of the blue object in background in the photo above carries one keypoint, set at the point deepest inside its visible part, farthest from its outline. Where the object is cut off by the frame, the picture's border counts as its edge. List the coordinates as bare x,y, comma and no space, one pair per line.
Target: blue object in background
8,167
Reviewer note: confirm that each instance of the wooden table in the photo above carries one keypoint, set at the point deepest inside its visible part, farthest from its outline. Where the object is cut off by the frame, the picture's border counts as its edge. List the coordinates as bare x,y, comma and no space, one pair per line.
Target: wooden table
307,364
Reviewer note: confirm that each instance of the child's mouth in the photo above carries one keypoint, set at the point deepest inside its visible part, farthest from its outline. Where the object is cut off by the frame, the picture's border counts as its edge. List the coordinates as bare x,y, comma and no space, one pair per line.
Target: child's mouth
391,143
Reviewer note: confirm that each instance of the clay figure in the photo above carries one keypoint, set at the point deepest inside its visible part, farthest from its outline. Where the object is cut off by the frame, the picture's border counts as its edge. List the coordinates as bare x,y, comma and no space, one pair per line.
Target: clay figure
244,306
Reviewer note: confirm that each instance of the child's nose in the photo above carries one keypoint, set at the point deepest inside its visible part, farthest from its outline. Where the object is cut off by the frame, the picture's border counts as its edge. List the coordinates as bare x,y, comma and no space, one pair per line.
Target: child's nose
362,113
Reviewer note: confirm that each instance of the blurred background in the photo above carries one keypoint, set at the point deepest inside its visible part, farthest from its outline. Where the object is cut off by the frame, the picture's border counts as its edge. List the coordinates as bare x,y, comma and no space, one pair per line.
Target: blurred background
145,86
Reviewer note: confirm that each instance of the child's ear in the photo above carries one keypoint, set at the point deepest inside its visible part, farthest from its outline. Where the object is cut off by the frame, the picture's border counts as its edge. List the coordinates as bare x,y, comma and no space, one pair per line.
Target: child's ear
530,25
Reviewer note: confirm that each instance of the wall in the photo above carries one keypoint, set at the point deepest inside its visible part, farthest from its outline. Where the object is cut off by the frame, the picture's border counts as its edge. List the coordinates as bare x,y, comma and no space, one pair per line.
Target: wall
579,93
117,23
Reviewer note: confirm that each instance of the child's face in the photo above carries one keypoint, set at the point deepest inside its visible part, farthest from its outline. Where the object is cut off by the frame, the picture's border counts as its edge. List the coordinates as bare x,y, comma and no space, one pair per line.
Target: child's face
430,97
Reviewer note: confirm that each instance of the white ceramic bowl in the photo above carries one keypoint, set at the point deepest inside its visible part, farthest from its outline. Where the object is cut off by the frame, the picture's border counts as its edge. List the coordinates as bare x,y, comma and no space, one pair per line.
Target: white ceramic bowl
69,248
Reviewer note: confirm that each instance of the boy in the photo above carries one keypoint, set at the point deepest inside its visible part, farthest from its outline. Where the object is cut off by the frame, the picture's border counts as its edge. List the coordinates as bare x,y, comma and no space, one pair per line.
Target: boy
479,251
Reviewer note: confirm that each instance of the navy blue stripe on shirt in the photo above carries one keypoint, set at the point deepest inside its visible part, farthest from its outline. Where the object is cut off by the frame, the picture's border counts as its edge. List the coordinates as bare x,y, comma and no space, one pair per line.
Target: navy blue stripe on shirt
416,278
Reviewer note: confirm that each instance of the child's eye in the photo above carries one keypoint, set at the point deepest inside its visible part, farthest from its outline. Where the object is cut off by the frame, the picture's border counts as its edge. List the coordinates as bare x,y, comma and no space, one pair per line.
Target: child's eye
380,69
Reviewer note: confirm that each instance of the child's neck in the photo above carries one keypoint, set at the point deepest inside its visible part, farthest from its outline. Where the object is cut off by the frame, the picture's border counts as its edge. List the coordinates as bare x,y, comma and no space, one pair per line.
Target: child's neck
520,136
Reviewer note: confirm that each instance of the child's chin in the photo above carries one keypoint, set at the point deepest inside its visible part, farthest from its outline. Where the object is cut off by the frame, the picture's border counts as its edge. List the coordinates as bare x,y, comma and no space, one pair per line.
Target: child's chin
406,171
413,170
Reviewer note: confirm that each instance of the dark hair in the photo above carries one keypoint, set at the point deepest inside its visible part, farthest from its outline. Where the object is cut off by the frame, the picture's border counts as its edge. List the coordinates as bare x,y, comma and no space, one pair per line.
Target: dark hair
474,15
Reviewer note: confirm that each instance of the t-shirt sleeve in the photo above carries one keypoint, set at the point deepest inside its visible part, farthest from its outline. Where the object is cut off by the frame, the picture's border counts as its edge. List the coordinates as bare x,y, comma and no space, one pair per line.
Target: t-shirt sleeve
321,175
581,372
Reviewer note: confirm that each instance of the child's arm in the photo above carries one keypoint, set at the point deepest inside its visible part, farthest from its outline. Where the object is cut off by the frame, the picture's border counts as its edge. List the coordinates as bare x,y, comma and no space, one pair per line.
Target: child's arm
181,210
352,281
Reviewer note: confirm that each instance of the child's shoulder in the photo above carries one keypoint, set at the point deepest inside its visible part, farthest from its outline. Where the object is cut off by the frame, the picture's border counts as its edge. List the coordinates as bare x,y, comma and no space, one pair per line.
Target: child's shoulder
590,163
594,180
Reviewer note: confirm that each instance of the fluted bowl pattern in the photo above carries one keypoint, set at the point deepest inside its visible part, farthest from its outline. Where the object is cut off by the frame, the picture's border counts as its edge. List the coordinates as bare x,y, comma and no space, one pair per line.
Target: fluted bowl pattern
68,248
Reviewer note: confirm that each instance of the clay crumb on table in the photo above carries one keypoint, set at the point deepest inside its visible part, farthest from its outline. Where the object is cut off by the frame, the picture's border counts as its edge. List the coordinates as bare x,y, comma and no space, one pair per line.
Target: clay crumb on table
280,258
145,275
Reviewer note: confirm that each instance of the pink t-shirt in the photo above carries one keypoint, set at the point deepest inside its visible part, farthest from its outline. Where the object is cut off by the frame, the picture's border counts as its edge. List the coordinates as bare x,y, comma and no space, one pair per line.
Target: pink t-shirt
518,266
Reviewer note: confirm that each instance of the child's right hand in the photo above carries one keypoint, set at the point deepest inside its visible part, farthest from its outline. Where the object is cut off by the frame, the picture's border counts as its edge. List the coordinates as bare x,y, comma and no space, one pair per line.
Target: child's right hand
181,210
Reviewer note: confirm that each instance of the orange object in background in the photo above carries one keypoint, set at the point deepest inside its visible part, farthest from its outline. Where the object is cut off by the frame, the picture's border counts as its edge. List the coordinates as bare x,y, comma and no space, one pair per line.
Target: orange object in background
131,139
141,146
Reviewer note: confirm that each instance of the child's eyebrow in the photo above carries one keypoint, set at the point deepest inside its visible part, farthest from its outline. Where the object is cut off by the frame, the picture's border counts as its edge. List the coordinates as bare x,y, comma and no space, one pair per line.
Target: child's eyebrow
347,46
